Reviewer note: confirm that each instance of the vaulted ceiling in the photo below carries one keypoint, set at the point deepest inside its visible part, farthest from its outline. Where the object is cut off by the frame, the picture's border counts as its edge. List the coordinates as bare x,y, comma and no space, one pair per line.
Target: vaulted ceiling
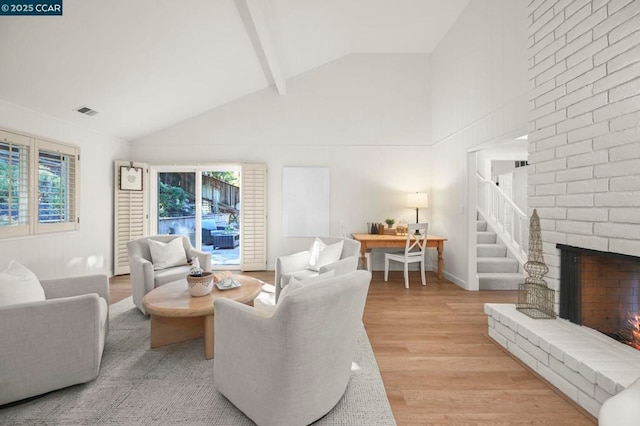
147,64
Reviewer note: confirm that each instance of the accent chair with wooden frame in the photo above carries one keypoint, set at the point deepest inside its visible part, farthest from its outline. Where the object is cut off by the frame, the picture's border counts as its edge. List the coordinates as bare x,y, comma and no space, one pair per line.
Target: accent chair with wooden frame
414,251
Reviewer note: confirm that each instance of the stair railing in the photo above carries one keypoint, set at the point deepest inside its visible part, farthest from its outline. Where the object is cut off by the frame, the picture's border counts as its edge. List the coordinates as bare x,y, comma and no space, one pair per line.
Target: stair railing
505,217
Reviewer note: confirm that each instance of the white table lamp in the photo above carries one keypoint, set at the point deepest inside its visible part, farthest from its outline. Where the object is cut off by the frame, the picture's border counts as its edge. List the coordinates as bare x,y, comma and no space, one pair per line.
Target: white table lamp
418,200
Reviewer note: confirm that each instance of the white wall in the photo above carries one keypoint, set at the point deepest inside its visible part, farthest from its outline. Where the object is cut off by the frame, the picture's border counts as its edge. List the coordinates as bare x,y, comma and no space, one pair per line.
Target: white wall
479,94
520,183
585,108
366,117
88,250
507,150
499,167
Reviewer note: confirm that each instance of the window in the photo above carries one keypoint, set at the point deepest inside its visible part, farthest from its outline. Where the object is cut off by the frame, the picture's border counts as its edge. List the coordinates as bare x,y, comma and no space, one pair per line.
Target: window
38,186
14,184
56,187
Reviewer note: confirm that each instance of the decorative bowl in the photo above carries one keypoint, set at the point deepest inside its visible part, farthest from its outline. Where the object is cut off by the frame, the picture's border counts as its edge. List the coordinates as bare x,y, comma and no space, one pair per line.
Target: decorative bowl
200,285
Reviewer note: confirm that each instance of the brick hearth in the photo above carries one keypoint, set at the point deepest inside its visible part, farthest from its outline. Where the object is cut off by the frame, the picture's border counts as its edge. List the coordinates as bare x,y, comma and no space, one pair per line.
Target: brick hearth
586,365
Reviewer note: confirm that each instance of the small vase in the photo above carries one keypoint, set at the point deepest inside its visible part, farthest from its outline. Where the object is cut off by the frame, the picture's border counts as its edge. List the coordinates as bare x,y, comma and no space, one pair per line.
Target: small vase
200,286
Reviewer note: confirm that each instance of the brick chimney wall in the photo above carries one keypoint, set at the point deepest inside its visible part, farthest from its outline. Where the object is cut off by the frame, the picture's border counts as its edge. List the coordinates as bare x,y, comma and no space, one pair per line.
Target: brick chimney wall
584,136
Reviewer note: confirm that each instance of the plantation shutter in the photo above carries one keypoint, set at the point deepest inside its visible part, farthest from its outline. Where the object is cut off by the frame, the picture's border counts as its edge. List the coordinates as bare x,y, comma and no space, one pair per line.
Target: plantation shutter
253,224
130,213
14,184
58,171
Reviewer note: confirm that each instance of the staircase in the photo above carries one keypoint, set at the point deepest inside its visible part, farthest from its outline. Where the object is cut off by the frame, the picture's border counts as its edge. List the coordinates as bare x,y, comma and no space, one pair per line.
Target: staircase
496,269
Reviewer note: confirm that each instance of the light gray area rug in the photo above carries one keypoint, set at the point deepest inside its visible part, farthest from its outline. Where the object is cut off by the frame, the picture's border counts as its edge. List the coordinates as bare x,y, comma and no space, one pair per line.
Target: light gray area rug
174,385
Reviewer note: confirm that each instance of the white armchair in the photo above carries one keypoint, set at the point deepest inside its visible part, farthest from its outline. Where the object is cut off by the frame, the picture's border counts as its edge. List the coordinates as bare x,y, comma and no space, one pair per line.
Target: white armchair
298,265
53,343
622,409
291,366
145,278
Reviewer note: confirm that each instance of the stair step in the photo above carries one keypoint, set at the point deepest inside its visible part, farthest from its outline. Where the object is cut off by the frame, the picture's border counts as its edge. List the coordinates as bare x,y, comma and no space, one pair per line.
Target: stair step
481,225
496,281
491,250
497,264
486,237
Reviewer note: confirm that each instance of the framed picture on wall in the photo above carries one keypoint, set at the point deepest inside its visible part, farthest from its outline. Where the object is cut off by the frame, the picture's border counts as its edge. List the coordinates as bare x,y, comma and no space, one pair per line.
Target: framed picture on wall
130,178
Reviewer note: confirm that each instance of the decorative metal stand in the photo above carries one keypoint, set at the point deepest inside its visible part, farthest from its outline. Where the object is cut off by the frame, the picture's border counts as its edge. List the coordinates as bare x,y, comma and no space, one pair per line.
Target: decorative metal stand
535,298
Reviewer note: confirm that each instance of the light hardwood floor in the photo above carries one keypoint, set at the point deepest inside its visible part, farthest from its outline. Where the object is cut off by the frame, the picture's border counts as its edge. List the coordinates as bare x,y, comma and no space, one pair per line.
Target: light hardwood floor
437,364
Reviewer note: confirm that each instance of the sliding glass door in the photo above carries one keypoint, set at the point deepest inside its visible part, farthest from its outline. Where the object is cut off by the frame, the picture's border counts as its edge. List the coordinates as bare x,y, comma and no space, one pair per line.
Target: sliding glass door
202,203
220,224
176,204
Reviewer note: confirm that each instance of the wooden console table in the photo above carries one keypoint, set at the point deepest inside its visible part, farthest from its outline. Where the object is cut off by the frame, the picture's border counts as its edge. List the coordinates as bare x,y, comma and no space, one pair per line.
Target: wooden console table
369,241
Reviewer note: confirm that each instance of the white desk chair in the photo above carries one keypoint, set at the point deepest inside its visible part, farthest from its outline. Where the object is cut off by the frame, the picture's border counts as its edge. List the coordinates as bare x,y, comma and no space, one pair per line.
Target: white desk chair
416,239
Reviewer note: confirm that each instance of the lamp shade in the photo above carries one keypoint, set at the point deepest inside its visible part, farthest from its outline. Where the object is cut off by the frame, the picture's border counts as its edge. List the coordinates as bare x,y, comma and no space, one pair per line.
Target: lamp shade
418,200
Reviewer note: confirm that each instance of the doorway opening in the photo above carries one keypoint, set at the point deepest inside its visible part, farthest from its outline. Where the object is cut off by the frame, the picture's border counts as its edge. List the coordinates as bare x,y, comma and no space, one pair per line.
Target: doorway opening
496,168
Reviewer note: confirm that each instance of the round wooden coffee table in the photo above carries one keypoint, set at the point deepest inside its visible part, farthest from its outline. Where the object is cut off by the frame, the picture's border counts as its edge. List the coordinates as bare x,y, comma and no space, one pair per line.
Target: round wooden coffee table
176,316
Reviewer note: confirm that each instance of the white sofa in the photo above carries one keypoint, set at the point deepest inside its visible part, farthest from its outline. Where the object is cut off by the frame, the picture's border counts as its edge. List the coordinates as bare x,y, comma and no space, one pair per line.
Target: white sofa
292,365
622,409
54,343
143,276
297,265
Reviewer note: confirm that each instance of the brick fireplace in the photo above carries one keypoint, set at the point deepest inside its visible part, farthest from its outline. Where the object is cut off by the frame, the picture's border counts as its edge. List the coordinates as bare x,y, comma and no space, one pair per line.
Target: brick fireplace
601,290
584,181
590,352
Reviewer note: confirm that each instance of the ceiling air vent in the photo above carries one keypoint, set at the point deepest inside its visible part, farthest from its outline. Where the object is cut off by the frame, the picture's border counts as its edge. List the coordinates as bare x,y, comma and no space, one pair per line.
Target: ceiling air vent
86,111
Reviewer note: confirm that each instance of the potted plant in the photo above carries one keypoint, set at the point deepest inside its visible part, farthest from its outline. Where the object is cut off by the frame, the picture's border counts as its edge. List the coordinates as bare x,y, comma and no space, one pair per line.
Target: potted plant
196,271
390,222
200,282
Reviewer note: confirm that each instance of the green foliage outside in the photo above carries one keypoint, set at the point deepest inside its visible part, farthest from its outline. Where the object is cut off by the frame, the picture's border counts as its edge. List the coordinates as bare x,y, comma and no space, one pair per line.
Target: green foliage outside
51,195
53,188
5,181
50,190
175,201
231,178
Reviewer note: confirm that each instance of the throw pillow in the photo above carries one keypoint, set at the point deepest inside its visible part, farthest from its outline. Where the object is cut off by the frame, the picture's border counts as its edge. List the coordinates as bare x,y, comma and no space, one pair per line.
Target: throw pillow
316,246
323,254
166,255
295,283
19,285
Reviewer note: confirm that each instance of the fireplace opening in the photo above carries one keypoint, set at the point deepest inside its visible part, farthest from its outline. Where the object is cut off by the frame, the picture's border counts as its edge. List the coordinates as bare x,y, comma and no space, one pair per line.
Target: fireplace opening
600,290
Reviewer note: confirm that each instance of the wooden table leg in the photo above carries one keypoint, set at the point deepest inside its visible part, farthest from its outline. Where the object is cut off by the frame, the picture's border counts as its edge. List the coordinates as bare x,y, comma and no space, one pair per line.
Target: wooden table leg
169,330
363,255
440,259
208,336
